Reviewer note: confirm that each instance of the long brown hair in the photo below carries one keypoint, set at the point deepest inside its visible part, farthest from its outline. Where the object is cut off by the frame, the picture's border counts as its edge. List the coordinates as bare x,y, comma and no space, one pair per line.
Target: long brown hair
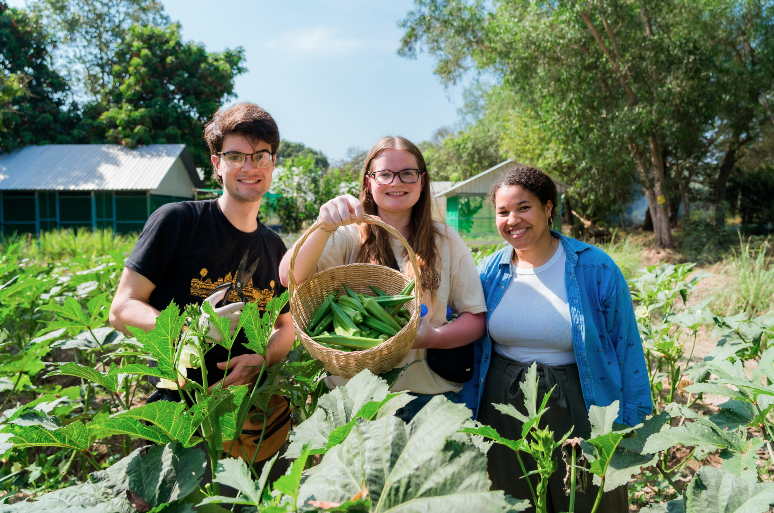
375,247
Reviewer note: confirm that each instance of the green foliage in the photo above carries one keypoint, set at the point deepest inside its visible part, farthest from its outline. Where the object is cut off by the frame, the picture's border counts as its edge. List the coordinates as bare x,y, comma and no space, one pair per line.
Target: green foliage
666,329
292,150
625,252
166,473
32,108
714,491
160,342
303,188
234,473
404,465
750,285
606,95
750,194
88,34
364,396
165,89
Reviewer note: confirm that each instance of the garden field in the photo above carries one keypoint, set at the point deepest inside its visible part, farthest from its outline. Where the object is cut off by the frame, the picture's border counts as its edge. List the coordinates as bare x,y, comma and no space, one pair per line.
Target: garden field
75,431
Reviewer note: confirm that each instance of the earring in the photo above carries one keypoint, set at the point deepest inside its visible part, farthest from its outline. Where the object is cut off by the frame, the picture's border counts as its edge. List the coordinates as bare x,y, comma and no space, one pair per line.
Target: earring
550,221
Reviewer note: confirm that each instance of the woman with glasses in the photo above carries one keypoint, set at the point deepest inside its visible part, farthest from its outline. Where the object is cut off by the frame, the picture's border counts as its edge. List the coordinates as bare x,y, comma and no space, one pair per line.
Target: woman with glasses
395,186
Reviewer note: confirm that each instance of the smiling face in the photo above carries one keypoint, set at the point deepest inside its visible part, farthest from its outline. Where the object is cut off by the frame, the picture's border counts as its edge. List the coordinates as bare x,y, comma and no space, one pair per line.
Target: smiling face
246,184
521,219
396,197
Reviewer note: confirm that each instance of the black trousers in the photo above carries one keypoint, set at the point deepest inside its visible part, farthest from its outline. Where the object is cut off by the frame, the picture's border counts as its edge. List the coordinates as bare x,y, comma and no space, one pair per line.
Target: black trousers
566,409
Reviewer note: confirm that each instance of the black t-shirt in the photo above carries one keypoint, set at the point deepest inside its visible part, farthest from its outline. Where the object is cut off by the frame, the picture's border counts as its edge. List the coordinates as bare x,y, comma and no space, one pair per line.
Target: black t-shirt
188,248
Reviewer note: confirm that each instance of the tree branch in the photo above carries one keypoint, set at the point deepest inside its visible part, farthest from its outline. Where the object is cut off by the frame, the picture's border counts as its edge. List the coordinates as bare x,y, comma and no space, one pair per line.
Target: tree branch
616,66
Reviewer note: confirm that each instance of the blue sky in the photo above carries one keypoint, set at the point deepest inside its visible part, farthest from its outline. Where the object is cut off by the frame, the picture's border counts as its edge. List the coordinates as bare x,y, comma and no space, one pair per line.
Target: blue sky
327,70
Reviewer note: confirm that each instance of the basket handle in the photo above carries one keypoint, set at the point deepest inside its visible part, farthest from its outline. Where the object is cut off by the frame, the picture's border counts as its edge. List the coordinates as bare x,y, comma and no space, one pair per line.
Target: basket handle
370,220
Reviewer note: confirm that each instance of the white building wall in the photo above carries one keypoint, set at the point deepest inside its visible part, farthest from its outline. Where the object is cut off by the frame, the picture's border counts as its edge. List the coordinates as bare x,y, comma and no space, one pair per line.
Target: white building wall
176,182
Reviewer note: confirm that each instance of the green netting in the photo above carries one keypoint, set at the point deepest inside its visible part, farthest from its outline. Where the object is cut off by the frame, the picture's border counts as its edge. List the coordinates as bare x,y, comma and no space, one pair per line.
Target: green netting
48,225
124,228
131,207
18,207
11,228
47,206
86,225
104,205
75,208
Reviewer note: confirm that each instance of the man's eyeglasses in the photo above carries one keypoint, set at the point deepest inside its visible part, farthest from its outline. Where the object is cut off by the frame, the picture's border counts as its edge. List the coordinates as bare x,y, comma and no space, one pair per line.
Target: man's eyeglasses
386,177
261,159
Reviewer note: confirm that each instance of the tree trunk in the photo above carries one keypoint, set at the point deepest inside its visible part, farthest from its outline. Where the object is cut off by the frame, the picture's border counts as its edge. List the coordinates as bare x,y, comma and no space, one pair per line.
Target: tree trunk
654,192
647,223
661,230
729,161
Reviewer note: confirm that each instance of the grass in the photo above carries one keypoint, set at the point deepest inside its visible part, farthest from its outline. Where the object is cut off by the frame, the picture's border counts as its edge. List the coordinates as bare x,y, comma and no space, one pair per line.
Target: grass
625,251
56,246
750,286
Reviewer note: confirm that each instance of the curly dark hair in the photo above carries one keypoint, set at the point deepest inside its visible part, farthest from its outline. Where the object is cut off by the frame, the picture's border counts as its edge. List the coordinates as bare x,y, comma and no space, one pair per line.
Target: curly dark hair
528,178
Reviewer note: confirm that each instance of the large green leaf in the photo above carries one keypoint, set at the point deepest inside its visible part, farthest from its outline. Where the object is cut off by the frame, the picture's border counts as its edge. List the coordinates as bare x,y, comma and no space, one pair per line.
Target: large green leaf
70,315
365,395
629,458
103,426
233,472
258,328
737,451
177,471
166,473
289,483
227,410
171,418
476,428
109,380
160,341
599,449
28,361
412,467
73,436
714,491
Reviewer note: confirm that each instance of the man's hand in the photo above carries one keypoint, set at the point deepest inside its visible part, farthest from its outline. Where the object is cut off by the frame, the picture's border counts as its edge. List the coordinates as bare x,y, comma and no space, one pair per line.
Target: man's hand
244,370
231,311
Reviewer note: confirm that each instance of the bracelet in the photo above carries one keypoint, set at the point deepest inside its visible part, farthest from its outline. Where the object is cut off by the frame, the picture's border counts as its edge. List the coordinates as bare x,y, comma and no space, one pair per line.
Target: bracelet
329,232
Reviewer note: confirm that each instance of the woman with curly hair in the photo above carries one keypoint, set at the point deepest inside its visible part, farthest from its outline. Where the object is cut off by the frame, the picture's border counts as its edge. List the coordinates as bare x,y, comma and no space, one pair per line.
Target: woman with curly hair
563,304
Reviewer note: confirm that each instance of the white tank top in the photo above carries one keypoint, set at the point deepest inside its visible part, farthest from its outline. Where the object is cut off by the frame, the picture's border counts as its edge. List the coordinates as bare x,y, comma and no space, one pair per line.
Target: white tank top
532,322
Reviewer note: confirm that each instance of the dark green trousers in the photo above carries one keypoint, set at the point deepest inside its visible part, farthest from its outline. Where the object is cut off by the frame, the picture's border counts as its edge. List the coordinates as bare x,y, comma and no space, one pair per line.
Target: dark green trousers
566,410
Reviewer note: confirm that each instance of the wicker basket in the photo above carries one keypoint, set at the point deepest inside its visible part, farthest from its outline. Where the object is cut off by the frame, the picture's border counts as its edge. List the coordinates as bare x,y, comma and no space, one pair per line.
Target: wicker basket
358,277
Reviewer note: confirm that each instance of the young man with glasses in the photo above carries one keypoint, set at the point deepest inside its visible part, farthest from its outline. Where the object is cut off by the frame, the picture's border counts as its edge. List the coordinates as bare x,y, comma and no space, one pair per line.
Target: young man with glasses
187,249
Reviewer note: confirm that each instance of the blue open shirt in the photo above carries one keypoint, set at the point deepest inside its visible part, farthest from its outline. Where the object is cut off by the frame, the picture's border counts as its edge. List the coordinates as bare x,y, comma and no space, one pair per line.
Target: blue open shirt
607,344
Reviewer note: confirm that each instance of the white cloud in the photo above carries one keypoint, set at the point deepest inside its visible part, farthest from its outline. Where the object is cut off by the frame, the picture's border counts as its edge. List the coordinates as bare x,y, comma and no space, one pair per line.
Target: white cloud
321,42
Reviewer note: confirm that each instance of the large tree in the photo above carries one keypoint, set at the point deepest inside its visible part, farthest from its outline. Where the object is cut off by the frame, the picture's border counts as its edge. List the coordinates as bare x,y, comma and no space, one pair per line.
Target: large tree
164,89
632,83
32,106
88,34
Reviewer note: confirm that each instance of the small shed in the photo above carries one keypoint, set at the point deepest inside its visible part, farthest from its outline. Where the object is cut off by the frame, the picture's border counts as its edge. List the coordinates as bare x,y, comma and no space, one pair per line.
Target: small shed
91,186
467,209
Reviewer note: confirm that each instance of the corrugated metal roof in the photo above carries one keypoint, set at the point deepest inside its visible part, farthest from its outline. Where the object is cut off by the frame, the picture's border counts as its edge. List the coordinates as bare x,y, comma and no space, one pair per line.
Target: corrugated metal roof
91,167
481,183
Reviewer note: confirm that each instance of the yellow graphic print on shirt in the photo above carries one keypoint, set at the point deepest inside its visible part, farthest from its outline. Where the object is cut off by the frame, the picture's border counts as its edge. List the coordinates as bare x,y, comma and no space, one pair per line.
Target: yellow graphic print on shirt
204,287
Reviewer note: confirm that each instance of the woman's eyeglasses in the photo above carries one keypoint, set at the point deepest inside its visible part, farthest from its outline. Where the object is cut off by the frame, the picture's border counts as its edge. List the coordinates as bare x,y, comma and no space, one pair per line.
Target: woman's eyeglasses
386,177
261,159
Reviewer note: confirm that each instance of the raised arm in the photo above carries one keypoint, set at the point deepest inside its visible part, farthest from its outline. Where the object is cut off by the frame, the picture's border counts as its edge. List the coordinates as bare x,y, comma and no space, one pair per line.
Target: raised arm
336,212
